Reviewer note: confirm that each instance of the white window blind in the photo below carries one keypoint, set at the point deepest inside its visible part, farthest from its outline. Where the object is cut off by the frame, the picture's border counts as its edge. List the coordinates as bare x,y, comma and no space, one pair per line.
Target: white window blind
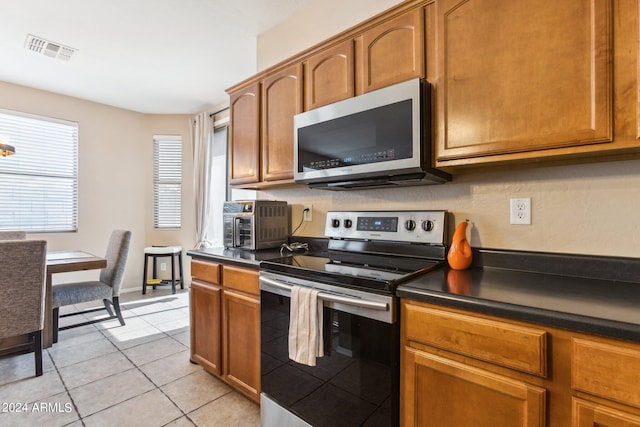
167,182
39,183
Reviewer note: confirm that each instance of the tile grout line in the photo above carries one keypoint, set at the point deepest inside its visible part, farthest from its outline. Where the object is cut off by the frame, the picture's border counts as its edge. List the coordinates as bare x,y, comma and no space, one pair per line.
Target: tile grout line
66,389
186,414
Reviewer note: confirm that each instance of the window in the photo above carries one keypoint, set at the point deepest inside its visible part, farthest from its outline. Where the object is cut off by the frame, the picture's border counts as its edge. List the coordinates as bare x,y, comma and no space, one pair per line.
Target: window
219,188
167,182
39,183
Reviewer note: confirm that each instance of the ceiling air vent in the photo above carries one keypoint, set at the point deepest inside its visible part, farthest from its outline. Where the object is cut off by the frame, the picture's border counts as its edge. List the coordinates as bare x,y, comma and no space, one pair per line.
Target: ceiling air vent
50,49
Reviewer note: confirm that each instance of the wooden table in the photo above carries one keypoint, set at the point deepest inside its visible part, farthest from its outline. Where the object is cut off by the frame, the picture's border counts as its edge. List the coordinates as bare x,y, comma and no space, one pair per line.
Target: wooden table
64,262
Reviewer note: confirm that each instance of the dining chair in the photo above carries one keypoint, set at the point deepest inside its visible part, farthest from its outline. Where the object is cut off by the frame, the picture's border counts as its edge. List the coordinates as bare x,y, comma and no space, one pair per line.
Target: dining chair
107,288
23,269
13,235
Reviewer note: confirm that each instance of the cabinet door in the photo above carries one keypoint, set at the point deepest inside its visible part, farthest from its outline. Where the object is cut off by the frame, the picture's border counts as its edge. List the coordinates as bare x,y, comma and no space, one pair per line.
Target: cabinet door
241,337
244,140
587,414
592,365
329,76
521,77
436,391
393,51
206,326
281,100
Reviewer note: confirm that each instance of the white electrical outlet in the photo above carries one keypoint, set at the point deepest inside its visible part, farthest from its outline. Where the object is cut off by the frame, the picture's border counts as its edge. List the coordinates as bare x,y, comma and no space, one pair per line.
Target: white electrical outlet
521,211
163,266
307,213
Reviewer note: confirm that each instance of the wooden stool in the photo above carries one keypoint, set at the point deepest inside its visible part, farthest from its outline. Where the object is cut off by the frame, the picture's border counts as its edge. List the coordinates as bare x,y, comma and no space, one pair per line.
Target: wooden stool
159,252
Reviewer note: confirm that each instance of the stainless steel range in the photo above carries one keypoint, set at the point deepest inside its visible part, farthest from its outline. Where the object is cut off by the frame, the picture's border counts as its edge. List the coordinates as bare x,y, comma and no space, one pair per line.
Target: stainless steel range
356,382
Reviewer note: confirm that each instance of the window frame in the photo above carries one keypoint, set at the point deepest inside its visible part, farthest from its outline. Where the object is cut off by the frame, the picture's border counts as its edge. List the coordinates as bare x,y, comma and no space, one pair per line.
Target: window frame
167,217
43,172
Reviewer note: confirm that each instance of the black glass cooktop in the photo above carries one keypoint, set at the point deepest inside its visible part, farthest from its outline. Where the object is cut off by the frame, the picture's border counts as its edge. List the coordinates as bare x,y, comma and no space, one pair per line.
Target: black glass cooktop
375,272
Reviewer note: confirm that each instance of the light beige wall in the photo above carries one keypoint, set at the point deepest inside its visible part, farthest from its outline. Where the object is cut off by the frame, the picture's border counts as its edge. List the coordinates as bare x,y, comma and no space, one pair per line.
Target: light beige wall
587,209
115,175
317,21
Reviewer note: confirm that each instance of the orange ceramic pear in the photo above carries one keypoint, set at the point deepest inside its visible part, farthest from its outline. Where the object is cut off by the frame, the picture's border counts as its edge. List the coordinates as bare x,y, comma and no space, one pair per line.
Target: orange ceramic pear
460,256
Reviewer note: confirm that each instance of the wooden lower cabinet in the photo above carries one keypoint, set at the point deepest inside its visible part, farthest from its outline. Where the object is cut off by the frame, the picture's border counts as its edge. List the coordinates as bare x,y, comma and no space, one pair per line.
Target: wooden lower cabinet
225,324
241,335
440,387
589,414
205,335
607,374
465,369
441,392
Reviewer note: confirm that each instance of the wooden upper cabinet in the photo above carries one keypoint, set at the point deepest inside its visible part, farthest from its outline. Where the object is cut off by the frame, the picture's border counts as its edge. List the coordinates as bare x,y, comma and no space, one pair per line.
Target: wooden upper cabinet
522,77
281,100
393,51
329,76
244,141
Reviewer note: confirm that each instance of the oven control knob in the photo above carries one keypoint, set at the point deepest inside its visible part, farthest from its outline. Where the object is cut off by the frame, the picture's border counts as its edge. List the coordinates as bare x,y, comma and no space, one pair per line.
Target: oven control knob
335,223
410,225
348,223
427,225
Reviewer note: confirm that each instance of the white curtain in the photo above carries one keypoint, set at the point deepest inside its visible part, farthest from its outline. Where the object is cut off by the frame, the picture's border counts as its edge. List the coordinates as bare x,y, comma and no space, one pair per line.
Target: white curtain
200,136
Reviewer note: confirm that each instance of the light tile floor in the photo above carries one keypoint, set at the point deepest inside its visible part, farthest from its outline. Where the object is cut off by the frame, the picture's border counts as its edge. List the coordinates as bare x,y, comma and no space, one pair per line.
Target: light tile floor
110,375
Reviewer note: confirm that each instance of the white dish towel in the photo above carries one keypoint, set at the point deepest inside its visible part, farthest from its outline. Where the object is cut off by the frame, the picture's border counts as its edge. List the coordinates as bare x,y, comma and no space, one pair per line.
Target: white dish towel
305,326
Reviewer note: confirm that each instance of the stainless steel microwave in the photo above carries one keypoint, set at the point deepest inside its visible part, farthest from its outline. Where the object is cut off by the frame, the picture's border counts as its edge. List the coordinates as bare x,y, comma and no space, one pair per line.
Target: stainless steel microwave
378,139
255,224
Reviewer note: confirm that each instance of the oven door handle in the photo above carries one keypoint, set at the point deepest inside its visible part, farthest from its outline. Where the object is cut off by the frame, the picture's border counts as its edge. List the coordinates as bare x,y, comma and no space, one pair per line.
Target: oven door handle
331,297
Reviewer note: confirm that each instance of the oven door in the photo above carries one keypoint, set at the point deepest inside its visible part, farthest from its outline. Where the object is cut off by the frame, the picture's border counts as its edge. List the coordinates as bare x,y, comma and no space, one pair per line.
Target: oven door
239,231
356,383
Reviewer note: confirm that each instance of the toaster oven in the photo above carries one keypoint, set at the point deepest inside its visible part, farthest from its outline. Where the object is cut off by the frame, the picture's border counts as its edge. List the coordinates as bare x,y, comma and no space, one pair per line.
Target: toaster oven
255,224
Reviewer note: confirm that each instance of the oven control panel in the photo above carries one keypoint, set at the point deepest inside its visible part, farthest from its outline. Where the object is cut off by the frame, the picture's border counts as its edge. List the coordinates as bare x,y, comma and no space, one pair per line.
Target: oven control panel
398,226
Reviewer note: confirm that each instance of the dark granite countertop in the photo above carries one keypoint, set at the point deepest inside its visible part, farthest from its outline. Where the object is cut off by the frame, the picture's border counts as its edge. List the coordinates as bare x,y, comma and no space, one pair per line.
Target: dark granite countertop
596,295
239,257
251,259
590,294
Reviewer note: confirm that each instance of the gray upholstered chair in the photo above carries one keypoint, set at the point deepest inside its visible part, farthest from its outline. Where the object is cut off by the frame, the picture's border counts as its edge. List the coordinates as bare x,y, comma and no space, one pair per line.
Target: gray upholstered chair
107,288
13,235
23,269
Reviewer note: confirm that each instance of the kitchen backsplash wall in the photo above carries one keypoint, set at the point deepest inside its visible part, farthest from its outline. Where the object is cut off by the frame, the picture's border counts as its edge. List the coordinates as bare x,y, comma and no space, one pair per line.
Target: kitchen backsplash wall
586,209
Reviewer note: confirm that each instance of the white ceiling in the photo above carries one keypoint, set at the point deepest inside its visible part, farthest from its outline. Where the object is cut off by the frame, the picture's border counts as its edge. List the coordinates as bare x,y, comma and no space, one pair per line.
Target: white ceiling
151,56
